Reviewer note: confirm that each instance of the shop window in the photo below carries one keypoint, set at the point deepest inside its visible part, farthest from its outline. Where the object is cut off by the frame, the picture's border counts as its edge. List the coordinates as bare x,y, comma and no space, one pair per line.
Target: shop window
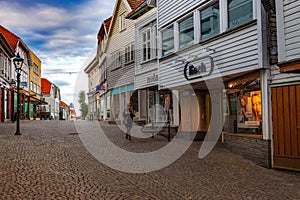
186,32
167,41
239,11
210,21
244,101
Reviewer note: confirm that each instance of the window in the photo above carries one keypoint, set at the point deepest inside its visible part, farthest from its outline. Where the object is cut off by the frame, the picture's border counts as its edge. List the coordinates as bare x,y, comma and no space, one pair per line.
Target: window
186,32
122,23
36,69
31,85
243,101
146,36
210,21
129,53
155,42
116,59
34,87
167,41
239,11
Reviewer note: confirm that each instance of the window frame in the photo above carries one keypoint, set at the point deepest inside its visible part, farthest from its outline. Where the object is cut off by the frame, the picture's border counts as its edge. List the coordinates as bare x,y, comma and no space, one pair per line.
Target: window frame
181,46
146,43
129,53
116,59
171,50
122,21
237,7
219,20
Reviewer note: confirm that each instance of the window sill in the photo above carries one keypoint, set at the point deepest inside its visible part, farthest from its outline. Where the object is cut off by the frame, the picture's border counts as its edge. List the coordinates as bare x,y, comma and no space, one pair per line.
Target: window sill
120,31
116,68
128,63
148,61
257,136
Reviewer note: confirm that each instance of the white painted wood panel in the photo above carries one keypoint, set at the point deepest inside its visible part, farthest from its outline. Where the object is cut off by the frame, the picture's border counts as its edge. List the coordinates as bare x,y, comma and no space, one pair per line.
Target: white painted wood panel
171,9
234,53
288,18
282,78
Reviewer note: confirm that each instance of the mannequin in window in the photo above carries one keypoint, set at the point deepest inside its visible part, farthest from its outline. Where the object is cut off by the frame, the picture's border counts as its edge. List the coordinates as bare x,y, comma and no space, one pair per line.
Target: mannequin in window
256,107
242,111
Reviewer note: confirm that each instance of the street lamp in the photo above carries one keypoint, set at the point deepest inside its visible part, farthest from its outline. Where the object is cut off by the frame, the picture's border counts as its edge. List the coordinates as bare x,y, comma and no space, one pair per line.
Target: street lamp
18,62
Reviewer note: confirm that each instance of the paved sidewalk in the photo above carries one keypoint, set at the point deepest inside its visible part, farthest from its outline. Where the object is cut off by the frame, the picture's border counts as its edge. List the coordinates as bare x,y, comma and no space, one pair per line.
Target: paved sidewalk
49,161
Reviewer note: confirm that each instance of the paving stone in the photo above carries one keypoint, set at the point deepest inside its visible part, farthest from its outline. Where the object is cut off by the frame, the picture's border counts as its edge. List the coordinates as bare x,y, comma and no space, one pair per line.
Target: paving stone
49,161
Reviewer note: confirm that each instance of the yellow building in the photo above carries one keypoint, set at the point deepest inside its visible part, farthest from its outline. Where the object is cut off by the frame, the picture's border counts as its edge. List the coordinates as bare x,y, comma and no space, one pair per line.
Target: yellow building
35,86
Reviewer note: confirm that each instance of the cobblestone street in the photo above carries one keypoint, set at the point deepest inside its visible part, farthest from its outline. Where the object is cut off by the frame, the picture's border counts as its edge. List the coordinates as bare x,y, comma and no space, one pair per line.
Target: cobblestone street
49,161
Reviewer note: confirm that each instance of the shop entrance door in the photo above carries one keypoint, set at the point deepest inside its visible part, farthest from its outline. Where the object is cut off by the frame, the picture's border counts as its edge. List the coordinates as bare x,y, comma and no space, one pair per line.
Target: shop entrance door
286,127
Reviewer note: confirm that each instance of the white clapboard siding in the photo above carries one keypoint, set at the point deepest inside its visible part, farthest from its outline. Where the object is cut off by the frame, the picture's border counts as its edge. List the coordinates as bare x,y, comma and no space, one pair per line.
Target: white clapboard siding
291,21
234,53
141,79
289,26
278,78
168,13
144,70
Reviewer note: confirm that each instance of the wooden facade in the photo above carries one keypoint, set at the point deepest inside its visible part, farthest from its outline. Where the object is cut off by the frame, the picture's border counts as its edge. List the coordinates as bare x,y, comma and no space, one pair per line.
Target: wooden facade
286,126
146,74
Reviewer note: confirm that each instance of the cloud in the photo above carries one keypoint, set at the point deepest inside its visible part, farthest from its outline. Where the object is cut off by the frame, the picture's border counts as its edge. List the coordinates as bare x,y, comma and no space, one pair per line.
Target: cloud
61,83
64,37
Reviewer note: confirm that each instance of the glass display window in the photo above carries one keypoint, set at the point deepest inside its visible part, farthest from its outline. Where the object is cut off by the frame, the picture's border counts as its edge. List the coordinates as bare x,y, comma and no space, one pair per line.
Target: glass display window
244,109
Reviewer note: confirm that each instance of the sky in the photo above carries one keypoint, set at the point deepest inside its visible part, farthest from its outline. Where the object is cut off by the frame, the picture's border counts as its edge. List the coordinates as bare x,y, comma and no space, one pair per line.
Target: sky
63,35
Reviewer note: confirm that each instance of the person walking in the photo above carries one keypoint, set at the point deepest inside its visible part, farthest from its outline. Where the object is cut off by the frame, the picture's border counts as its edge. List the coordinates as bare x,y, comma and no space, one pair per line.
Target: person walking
128,119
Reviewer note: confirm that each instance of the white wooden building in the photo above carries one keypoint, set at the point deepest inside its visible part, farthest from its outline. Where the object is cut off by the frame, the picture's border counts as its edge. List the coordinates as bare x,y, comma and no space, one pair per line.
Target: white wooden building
93,70
103,96
212,55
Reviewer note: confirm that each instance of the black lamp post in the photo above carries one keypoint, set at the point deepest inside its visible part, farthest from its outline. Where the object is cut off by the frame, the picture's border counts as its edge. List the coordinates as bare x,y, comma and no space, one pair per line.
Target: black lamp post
18,62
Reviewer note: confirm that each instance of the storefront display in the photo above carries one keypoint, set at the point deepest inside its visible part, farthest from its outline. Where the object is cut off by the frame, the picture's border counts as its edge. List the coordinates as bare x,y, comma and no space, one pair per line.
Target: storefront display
245,110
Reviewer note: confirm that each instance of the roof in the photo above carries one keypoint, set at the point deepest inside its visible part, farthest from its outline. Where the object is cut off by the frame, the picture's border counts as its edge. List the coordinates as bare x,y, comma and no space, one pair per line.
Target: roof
135,3
6,46
46,86
11,38
104,27
107,23
140,10
63,104
129,4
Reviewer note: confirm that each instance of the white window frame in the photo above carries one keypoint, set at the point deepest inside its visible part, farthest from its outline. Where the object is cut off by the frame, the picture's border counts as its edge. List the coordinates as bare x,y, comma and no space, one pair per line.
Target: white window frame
129,53
116,59
220,18
181,46
171,50
238,23
224,25
122,22
146,43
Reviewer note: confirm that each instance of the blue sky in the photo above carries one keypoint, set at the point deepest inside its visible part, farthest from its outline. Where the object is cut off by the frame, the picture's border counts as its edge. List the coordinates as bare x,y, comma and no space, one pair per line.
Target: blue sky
62,33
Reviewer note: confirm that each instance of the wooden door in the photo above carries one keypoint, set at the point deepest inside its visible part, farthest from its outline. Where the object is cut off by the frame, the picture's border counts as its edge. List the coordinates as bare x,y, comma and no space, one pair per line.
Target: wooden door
286,127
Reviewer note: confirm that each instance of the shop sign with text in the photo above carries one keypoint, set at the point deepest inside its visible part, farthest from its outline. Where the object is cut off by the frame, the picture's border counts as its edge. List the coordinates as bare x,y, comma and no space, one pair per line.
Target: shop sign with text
198,68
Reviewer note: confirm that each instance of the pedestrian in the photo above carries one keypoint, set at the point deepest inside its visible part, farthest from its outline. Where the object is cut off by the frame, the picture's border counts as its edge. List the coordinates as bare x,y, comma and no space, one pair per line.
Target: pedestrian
128,116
